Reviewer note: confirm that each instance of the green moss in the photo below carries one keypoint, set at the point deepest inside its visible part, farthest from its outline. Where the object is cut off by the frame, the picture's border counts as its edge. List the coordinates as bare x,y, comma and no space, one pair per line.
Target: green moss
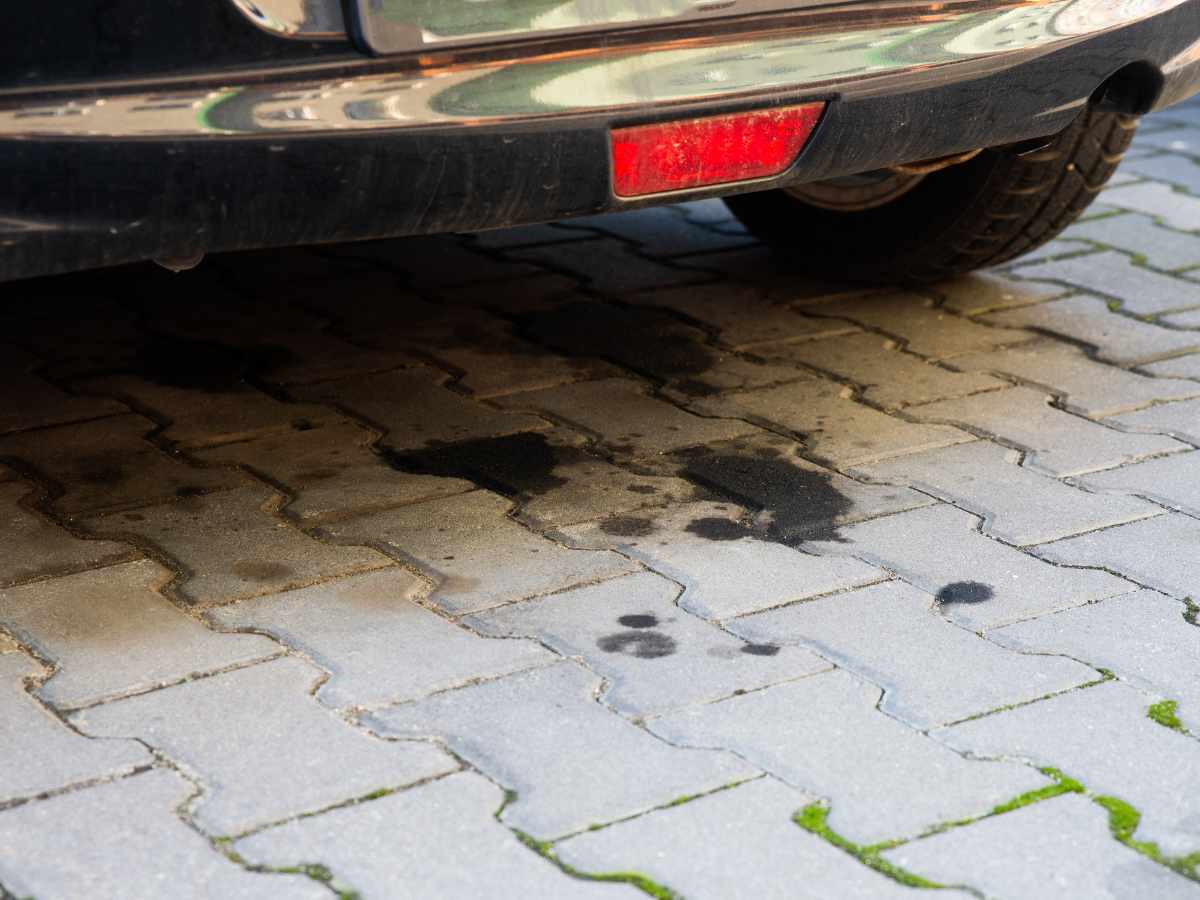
647,886
1164,713
1114,305
815,819
1062,785
1192,611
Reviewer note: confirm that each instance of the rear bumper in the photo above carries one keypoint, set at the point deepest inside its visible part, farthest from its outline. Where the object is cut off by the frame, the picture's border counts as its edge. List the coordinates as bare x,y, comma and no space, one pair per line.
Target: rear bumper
104,173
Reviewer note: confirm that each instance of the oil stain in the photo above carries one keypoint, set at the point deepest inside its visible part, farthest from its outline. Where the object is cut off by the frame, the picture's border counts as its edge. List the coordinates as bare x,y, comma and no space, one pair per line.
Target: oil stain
641,644
258,570
639,620
713,528
203,365
515,464
965,592
627,526
760,649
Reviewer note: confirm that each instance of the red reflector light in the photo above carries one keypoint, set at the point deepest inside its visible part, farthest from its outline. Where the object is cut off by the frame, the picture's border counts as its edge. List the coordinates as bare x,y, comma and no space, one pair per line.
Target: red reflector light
672,156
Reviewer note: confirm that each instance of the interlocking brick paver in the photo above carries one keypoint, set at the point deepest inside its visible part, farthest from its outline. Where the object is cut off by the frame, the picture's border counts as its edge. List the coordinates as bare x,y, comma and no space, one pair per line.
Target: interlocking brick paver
1157,553
434,263
1163,248
932,672
440,839
1055,441
609,267
110,632
478,556
1085,386
884,374
986,291
1188,319
660,231
108,464
823,735
1184,139
1057,848
332,471
1143,637
124,839
1102,736
757,850
626,419
415,409
1018,506
653,656
1139,290
262,749
1118,339
41,402
1180,419
706,548
1172,481
32,546
570,761
377,643
1180,171
979,582
231,545
1173,208
42,754
1187,366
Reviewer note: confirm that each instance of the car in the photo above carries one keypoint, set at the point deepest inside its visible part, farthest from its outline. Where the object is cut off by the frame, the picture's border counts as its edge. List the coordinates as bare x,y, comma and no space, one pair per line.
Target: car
901,140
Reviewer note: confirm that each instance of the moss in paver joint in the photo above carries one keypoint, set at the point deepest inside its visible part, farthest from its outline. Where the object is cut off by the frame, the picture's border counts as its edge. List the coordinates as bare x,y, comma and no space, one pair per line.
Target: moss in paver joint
545,849
814,819
1123,821
1192,611
1164,712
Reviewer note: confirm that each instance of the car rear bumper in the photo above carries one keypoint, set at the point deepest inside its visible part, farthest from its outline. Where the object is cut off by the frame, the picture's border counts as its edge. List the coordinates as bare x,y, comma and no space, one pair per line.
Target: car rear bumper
102,173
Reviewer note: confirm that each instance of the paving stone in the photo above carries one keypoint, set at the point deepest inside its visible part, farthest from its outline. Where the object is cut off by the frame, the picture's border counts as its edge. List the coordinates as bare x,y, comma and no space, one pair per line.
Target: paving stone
1067,246
332,471
608,266
1102,736
1055,441
107,464
528,236
110,632
835,428
628,421
231,545
982,292
823,735
925,329
40,753
1178,140
979,582
1172,481
1154,552
762,854
1139,290
1181,419
1178,170
764,266
436,262
42,403
262,748
73,336
375,640
708,549
932,672
1057,848
1088,387
414,843
660,231
1179,367
1173,208
1143,637
504,365
885,375
570,761
652,655
478,556
1189,319
415,409
1162,248
1118,339
1018,505
123,839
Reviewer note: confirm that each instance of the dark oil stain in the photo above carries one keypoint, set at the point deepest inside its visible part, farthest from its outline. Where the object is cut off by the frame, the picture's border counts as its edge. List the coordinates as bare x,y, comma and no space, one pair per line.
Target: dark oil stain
203,365
639,620
641,489
317,474
642,644
516,464
134,517
258,570
102,471
965,592
188,490
760,649
627,526
715,528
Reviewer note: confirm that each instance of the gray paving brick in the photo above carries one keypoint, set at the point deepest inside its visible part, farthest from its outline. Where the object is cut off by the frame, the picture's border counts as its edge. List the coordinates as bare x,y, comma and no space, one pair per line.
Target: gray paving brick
1187,366
1185,139
527,236
332,471
570,761
1057,848
41,402
1174,209
981,583
626,419
415,409
231,545
123,839
1180,171
1143,637
823,735
110,632
260,746
1154,552
987,291
1134,233
435,263
1072,246
1102,736
762,852
1189,319
660,231
1180,419
375,640
42,754
32,546
609,266
1118,339
1088,387
932,672
1172,481
1055,441
414,844
653,656
1018,506
504,366
706,548
477,555
1139,290
884,374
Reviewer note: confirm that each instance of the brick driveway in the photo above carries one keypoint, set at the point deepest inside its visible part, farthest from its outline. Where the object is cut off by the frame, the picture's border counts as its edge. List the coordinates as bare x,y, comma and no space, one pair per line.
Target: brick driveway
612,556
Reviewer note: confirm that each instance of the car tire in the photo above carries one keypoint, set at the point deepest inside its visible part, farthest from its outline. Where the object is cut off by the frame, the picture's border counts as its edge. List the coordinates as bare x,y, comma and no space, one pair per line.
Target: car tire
989,209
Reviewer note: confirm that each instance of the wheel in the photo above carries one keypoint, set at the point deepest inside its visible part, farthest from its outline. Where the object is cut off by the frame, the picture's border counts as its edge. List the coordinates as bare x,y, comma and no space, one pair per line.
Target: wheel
894,225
